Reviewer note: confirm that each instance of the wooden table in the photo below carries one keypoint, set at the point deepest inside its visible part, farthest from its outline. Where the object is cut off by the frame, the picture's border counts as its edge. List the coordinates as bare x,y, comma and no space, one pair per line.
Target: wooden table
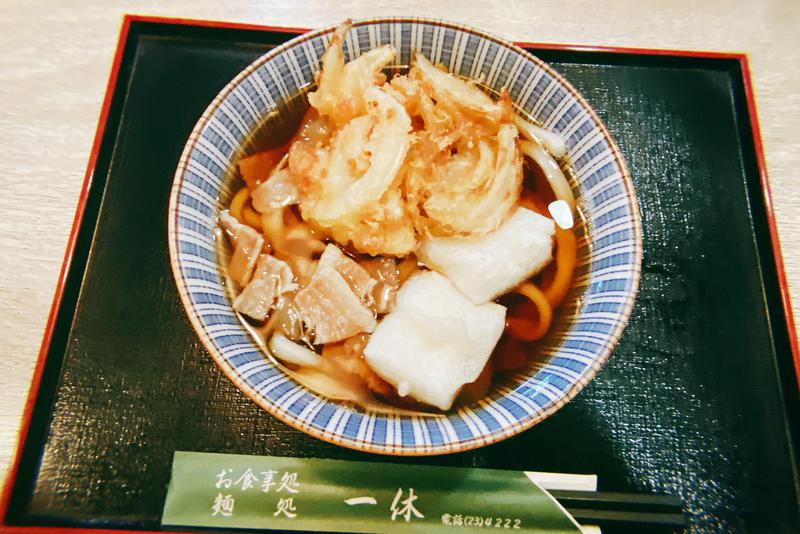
55,59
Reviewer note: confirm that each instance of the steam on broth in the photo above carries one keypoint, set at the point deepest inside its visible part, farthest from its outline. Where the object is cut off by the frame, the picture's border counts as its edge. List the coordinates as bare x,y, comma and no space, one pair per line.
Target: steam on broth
398,249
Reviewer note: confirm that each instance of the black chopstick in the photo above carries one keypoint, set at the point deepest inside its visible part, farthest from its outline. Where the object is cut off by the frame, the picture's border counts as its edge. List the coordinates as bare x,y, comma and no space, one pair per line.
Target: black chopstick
607,508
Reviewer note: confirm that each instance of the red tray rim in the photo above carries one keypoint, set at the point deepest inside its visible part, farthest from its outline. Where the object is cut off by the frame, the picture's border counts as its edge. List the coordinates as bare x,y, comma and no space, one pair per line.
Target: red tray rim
129,19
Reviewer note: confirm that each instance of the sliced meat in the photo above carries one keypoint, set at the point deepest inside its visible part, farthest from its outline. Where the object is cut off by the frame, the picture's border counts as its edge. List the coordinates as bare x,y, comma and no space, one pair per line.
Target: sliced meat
271,278
247,243
385,271
271,268
256,299
356,276
230,225
330,309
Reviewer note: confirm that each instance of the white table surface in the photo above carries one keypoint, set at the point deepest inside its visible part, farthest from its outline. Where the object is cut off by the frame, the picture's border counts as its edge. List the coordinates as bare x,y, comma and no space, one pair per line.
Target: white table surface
55,59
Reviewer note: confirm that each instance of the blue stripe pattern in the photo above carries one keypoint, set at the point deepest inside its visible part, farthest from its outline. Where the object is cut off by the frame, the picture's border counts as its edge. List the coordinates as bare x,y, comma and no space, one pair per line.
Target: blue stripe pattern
609,239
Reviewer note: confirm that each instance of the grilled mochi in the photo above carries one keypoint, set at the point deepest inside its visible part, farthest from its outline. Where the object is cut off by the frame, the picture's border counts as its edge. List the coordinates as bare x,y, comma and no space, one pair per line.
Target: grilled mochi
271,278
434,341
485,267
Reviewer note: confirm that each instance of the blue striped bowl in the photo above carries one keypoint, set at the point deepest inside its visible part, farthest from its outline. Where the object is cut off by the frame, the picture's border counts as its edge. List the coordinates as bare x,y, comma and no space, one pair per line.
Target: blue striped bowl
589,324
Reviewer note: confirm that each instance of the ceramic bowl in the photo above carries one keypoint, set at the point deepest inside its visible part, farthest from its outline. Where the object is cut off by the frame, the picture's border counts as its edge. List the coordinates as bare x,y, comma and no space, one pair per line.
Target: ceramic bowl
589,324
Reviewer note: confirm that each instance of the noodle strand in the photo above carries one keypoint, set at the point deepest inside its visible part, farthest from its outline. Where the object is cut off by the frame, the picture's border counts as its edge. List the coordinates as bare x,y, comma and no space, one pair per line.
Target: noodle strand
566,252
237,203
242,210
526,329
251,216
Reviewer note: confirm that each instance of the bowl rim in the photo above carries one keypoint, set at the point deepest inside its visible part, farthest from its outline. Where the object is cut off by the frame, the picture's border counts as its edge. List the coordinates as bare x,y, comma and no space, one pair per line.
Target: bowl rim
447,447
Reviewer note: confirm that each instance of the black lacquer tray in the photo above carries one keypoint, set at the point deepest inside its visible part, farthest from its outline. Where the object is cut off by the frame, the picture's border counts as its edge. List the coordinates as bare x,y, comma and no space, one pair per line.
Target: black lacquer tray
699,400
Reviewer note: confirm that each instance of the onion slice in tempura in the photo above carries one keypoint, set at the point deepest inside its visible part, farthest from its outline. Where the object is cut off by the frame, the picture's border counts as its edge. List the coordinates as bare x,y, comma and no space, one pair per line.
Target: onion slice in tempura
340,94
362,162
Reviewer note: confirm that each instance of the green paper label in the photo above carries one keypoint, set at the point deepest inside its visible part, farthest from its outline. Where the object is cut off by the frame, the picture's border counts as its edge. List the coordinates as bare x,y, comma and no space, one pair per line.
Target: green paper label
237,491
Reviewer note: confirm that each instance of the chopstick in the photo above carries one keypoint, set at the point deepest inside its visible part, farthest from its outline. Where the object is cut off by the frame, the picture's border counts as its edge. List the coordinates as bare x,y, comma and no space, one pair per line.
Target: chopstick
578,494
628,509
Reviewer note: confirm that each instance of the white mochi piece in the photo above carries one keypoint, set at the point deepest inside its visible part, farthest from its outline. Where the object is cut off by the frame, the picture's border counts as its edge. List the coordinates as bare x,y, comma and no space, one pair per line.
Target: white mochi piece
434,341
485,267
